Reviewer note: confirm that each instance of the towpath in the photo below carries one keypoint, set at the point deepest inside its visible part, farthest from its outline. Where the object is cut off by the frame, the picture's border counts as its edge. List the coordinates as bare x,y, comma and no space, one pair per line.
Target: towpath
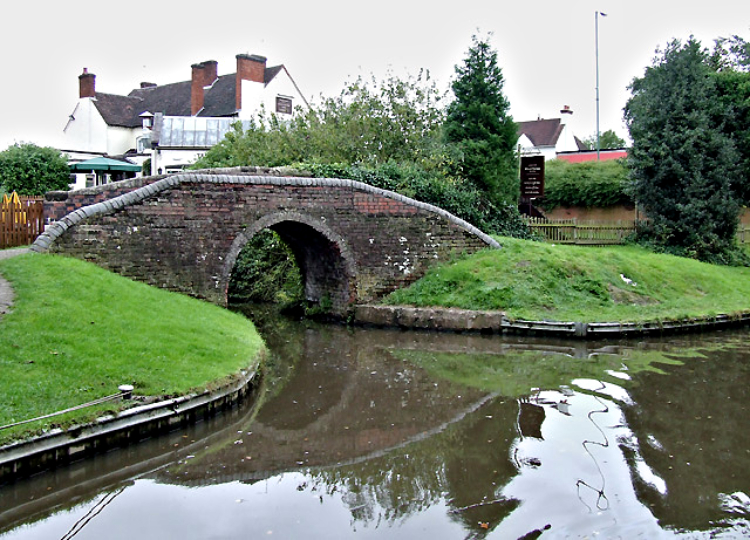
6,291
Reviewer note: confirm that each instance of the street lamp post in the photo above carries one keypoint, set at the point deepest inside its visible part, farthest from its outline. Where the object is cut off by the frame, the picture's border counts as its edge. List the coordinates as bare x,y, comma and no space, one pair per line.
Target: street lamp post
596,27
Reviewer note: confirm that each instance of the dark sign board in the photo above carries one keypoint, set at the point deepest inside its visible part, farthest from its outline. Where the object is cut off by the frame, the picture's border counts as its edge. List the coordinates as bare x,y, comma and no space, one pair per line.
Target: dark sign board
532,177
283,105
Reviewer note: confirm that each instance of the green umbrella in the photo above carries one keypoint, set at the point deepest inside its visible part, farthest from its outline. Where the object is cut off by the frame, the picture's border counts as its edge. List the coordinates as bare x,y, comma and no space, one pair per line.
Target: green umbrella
104,164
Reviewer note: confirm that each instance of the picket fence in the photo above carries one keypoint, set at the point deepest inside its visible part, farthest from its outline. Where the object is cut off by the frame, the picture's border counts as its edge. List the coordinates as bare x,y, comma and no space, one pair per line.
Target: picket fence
21,220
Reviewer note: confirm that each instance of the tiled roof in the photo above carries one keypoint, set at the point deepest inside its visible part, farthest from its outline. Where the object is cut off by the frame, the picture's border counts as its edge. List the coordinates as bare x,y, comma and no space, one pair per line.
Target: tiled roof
541,132
219,100
172,100
120,111
168,99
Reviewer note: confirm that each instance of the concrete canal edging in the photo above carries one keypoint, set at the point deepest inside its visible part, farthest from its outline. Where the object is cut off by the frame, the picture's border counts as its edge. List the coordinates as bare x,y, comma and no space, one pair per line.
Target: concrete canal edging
496,322
62,446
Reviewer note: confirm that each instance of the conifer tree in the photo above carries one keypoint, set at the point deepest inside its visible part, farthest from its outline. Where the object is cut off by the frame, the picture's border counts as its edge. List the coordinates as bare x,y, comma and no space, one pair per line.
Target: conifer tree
478,123
683,163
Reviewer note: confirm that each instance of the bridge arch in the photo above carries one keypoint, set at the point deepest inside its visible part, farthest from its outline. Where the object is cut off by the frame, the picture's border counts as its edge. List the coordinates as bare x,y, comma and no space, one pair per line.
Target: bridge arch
326,263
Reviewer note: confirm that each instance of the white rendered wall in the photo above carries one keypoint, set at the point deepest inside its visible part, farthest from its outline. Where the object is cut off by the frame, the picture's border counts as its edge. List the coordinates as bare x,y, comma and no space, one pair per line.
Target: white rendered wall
86,129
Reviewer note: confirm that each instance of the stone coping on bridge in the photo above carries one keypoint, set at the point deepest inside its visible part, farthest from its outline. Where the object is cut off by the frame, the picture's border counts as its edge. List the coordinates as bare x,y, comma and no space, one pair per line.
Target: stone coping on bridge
496,322
240,176
24,458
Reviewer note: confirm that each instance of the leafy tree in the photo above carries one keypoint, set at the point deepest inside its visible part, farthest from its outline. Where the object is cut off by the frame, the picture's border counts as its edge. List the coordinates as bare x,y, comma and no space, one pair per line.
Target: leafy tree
731,62
32,170
730,54
367,123
373,123
609,140
683,164
478,123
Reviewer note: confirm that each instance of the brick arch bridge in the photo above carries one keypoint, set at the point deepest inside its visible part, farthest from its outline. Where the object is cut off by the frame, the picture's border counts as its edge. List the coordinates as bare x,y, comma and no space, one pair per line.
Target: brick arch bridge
353,242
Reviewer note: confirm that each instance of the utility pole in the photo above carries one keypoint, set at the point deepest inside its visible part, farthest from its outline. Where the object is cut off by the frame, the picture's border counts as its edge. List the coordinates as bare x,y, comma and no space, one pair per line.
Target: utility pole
596,31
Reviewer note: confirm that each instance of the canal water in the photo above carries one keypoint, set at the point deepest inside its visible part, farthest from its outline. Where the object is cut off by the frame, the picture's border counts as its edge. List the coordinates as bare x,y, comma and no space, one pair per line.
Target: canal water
367,433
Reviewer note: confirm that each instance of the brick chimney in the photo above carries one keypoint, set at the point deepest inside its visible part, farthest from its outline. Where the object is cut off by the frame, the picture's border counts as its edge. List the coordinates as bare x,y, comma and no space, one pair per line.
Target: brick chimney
86,84
250,67
203,76
196,89
210,72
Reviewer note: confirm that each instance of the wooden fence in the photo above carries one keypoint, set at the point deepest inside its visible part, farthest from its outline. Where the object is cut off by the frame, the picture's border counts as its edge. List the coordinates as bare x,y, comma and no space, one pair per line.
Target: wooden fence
590,233
21,220
743,234
598,233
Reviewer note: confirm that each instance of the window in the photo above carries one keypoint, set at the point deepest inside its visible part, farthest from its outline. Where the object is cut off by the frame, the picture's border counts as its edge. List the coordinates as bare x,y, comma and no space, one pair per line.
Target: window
143,144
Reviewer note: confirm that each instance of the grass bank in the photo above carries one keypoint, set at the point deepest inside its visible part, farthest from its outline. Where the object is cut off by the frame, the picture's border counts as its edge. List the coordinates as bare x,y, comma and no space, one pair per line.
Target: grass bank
540,281
77,332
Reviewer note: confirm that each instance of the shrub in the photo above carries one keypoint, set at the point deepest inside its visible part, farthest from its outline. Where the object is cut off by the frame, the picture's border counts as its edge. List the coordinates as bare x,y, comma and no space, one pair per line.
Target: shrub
590,184
33,170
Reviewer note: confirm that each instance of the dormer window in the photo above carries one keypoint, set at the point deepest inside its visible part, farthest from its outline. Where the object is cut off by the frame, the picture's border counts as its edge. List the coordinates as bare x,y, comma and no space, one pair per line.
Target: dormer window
147,120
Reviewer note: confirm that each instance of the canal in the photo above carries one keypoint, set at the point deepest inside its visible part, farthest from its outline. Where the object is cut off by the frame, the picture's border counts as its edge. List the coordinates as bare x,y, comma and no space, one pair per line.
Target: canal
373,433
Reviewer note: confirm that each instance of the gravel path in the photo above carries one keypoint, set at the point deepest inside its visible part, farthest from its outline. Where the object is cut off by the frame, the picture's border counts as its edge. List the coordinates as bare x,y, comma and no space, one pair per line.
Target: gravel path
6,292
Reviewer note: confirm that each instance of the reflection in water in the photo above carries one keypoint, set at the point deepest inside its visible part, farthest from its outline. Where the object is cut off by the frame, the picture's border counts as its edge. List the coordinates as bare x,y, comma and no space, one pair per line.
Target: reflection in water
389,434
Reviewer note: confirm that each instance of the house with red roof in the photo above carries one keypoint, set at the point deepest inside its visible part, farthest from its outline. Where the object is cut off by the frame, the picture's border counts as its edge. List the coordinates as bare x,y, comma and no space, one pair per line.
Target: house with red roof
200,111
554,139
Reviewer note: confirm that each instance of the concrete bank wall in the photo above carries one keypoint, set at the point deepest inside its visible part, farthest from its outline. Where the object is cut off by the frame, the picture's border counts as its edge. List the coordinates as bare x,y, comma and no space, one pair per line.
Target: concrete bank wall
60,447
459,320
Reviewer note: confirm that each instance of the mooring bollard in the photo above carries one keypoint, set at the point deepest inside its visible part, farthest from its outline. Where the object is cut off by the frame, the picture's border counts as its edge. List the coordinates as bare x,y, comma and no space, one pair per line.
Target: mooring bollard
126,391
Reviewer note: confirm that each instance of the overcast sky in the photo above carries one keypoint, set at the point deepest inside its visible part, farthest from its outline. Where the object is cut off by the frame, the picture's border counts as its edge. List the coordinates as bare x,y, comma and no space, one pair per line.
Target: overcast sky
546,48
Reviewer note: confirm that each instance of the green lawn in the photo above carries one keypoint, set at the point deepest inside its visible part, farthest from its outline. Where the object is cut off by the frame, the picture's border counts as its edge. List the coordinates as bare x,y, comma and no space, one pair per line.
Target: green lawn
77,332
540,281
